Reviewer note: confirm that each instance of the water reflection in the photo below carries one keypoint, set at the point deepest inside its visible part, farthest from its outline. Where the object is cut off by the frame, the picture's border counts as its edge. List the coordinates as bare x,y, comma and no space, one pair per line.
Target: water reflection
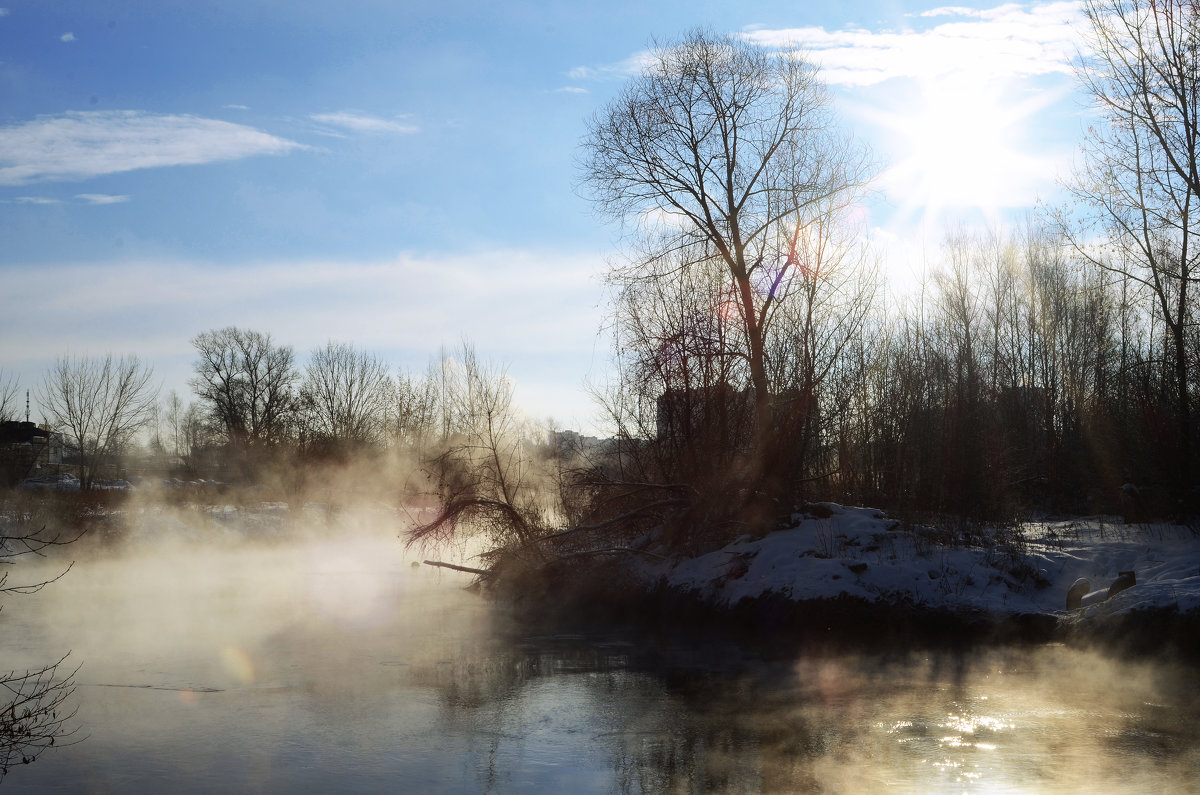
1008,719
330,666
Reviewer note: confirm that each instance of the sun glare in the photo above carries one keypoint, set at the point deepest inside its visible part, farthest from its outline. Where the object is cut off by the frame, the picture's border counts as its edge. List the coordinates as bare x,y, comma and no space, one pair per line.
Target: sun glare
957,146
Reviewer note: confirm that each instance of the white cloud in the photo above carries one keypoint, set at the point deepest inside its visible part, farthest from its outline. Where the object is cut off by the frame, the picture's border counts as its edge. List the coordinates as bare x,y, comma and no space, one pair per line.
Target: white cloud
67,37
570,90
84,144
629,67
951,11
359,123
236,107
1021,40
3,12
32,200
535,309
514,300
101,198
1009,40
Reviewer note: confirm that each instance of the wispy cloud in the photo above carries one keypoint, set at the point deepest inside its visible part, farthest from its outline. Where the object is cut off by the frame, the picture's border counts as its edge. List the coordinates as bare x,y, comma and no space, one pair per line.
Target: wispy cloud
3,12
951,11
628,67
570,90
101,198
1009,40
1019,39
307,301
67,37
32,200
84,144
360,123
236,107
538,307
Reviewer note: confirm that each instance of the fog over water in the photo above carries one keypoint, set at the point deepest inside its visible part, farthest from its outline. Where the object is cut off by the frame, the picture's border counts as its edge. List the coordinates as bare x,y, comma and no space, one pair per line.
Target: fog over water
253,651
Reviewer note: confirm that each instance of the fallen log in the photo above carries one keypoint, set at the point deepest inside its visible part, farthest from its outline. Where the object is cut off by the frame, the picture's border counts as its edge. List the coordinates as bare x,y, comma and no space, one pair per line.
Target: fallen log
456,567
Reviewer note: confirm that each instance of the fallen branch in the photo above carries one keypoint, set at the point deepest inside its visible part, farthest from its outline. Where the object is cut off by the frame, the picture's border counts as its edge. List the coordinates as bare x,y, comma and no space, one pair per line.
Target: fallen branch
456,567
613,550
614,520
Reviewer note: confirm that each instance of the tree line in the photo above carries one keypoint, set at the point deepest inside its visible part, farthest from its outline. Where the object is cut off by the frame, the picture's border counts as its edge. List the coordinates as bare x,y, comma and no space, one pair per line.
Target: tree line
253,405
759,361
760,364
1050,367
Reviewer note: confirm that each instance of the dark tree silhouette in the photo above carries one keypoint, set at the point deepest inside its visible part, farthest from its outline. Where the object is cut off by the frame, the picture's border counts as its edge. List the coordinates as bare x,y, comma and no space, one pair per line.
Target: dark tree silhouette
1139,175
724,152
35,705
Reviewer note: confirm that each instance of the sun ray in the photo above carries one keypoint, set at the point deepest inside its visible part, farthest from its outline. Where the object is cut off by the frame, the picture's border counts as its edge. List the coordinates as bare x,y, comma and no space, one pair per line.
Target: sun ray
960,145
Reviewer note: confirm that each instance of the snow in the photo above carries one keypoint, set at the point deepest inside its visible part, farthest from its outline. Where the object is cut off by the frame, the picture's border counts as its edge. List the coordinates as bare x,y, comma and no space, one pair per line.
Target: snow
837,551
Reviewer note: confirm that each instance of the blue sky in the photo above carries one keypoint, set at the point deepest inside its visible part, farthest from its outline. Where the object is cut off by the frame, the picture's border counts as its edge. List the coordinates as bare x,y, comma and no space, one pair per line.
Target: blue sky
402,174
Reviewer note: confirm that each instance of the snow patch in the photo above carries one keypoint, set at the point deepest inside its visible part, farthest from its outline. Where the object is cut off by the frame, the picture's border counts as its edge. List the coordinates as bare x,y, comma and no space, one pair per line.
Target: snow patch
860,552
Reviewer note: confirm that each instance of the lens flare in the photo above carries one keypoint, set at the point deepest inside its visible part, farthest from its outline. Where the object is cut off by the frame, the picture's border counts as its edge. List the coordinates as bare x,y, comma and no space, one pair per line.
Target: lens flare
237,663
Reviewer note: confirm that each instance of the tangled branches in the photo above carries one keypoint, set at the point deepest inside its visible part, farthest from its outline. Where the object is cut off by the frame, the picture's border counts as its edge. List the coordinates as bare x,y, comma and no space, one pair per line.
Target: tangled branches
36,715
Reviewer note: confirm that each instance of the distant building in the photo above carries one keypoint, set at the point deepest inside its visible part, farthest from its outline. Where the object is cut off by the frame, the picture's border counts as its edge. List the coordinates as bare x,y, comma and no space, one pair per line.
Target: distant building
28,450
572,442
717,413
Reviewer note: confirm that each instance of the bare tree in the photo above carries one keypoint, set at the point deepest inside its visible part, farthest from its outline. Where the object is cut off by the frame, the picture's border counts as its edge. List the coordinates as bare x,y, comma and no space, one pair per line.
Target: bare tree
680,372
35,713
9,388
414,421
35,709
484,476
175,425
247,384
818,346
722,151
187,430
99,404
347,393
1142,70
1139,171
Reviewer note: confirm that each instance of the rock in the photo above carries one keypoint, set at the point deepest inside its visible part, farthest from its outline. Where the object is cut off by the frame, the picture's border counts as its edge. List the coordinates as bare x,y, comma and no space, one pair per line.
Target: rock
1076,593
1125,579
857,568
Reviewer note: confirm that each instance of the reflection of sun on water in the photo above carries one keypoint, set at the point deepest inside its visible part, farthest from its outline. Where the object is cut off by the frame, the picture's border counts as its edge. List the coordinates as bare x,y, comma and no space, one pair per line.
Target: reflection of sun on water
972,725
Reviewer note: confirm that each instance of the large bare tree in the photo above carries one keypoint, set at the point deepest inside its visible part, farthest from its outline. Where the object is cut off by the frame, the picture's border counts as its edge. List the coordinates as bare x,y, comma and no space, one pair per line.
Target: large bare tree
1139,170
724,152
247,384
98,404
347,395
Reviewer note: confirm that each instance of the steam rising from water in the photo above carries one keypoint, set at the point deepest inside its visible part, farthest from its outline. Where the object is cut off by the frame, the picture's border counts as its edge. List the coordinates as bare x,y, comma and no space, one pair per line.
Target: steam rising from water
299,650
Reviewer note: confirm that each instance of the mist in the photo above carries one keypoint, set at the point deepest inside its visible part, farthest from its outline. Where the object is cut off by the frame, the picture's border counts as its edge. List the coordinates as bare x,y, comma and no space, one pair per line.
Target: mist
272,647
833,533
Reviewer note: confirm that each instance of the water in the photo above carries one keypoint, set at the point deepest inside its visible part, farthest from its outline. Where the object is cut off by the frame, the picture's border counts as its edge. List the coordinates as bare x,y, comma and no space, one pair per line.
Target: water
335,666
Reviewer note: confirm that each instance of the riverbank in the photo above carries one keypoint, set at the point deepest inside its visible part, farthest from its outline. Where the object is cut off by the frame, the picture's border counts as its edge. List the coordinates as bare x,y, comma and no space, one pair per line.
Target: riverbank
836,575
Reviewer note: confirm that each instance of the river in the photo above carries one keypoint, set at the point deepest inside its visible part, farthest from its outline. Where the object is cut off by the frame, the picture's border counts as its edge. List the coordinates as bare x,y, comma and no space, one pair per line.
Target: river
335,665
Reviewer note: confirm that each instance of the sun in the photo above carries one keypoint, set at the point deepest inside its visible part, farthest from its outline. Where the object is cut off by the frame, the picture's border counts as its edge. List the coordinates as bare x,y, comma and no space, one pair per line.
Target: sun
959,145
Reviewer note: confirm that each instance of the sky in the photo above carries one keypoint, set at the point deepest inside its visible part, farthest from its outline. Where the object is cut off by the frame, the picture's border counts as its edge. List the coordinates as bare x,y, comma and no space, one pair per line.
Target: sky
404,175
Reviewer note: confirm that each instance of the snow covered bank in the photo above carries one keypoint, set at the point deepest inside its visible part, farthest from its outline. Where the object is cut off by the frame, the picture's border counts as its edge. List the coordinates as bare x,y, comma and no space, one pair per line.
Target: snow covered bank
838,557
837,551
